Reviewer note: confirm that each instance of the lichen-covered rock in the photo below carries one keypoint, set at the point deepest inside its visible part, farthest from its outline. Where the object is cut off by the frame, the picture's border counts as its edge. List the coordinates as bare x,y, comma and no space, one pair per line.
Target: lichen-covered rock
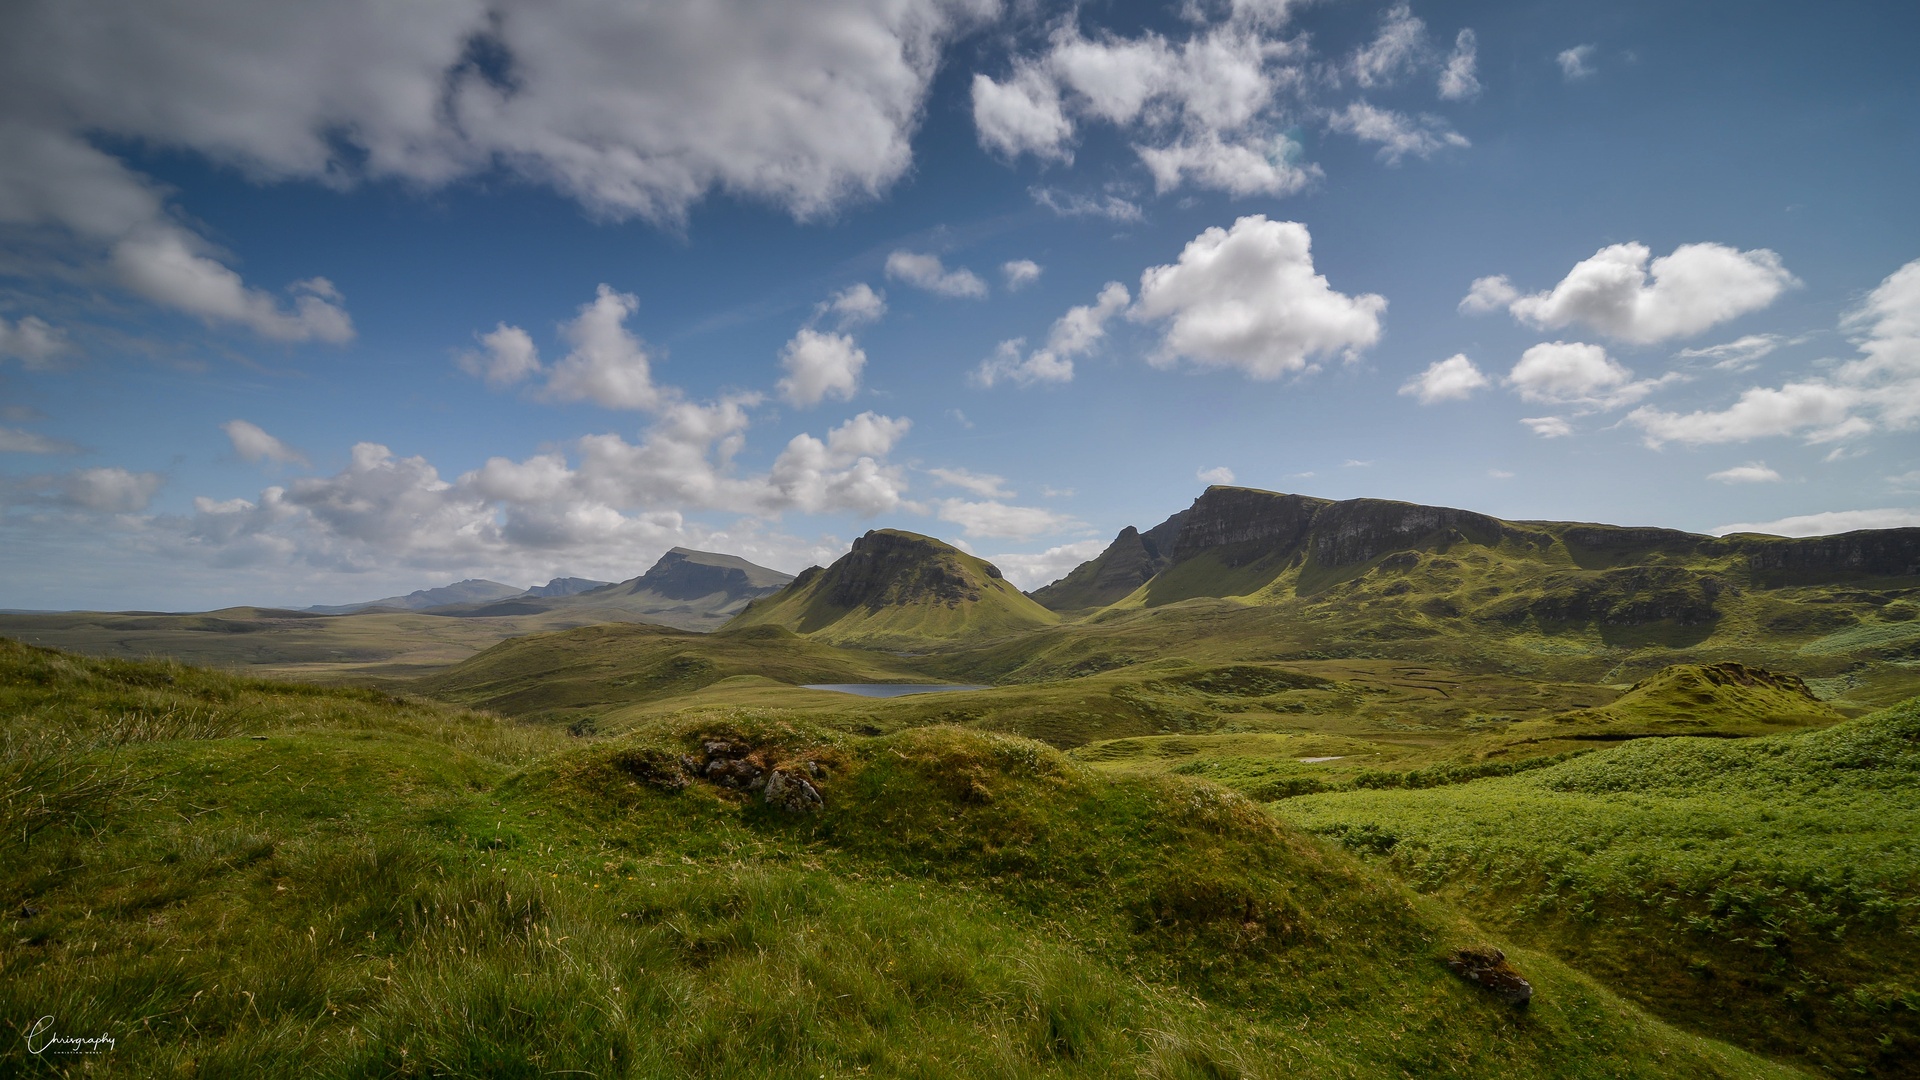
1487,967
791,792
740,775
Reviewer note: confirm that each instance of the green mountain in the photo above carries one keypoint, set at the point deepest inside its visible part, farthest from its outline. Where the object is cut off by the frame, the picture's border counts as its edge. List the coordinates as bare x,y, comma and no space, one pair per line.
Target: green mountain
686,589
899,589
1129,562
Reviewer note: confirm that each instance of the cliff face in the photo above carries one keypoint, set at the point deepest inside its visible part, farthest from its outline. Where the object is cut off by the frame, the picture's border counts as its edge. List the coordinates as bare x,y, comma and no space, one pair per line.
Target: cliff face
1870,552
888,567
685,574
1225,516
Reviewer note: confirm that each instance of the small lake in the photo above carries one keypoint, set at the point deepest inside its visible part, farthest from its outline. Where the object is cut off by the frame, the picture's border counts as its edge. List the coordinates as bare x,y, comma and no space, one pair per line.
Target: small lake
890,689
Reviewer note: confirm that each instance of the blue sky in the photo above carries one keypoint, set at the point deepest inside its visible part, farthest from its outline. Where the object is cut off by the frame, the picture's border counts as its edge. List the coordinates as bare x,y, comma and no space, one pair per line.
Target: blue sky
305,304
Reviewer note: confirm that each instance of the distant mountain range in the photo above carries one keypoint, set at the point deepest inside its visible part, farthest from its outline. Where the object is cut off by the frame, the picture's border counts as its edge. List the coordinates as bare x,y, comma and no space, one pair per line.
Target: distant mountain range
470,591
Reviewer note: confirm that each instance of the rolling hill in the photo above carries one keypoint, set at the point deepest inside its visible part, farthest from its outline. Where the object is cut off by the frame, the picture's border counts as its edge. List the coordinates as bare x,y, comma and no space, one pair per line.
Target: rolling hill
686,589
899,590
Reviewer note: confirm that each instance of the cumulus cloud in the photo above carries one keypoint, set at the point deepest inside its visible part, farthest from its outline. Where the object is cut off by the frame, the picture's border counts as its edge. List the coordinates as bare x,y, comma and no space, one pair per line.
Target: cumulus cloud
927,272
1833,521
1020,273
1022,115
251,443
15,440
820,365
506,356
1619,293
1823,409
32,341
1030,572
1074,334
1248,298
856,305
1548,427
995,519
1397,134
1257,165
1737,355
1575,373
1219,474
1070,204
1458,78
166,265
985,485
1753,472
1452,379
608,366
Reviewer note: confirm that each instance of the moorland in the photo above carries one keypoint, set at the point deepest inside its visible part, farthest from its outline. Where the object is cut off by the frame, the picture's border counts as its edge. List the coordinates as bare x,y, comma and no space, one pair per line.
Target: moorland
1278,787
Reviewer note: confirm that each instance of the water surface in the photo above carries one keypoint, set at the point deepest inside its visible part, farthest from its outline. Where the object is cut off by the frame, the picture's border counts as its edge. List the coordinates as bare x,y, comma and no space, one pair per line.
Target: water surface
890,689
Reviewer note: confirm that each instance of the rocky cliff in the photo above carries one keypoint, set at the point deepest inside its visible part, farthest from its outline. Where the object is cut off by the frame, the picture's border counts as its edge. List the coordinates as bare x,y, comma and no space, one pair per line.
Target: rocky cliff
1129,562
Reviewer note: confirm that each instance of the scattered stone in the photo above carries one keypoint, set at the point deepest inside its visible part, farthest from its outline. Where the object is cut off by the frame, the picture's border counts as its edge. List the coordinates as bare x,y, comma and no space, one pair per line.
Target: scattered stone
1486,966
658,768
739,775
791,792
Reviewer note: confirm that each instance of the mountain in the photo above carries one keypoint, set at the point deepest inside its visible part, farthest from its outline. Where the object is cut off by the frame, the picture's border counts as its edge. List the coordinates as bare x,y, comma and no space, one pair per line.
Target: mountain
899,588
686,589
470,591
1129,562
565,586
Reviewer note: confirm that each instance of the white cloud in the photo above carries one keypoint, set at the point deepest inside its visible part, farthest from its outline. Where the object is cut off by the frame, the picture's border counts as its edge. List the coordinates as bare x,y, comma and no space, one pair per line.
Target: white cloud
1753,472
1068,204
1452,379
1022,115
1397,134
109,489
1760,412
1737,355
1256,165
21,441
1548,427
37,345
1030,572
985,485
509,356
1219,474
1248,298
1696,287
1074,334
927,272
1884,383
1576,63
1393,51
1489,294
820,365
1906,482
608,365
1355,463
1575,373
856,305
1500,474
165,265
251,443
1458,79
1020,273
996,519
1833,521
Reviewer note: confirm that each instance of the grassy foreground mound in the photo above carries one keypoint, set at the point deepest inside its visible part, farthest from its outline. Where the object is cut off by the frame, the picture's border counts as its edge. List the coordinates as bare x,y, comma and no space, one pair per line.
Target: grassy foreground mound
1717,881
237,878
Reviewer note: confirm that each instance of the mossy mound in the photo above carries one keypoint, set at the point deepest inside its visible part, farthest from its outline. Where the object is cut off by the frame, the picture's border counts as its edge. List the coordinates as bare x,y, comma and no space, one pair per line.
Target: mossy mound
1682,699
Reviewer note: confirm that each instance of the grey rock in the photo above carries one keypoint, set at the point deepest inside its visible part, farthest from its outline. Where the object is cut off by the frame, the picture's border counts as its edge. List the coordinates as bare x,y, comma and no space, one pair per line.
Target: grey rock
792,793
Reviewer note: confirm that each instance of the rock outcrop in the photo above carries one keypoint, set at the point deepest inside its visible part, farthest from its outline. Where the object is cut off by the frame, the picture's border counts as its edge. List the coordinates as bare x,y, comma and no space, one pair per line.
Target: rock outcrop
1487,967
1127,563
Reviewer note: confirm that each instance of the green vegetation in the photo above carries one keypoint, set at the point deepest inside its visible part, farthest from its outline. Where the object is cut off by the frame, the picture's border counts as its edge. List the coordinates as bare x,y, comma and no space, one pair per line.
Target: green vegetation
1715,881
285,879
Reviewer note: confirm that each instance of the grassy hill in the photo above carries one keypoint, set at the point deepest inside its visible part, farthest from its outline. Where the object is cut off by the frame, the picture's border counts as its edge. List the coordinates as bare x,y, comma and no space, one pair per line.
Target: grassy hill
1718,882
240,878
899,590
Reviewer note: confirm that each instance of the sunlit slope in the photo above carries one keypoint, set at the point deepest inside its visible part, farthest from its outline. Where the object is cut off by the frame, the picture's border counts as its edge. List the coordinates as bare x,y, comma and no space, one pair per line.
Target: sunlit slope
568,674
376,888
1719,881
899,589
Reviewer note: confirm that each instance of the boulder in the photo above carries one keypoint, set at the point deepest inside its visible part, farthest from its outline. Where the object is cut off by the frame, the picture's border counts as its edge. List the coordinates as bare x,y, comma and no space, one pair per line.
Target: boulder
1487,967
791,792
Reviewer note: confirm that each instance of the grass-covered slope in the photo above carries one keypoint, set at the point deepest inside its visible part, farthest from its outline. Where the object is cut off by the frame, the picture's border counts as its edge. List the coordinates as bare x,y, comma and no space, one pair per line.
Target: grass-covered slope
234,878
1766,889
899,590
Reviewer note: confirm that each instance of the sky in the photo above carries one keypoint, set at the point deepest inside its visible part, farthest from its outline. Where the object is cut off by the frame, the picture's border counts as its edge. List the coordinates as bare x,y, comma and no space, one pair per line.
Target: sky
310,304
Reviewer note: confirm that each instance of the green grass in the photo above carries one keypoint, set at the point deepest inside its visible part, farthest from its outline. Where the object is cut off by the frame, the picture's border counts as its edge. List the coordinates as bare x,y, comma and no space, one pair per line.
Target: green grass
1713,880
386,888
